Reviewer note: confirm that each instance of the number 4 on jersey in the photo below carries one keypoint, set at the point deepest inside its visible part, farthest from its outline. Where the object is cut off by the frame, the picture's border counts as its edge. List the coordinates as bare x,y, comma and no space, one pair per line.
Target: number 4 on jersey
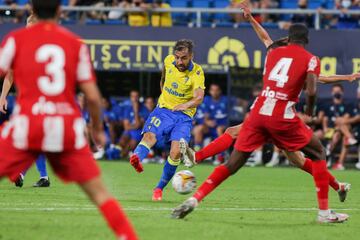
280,72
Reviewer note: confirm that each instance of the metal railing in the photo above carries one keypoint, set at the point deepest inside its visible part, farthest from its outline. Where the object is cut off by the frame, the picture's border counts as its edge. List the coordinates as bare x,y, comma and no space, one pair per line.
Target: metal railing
200,11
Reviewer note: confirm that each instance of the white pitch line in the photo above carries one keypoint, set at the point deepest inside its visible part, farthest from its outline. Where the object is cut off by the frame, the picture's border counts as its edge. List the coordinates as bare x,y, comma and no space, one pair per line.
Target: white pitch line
169,209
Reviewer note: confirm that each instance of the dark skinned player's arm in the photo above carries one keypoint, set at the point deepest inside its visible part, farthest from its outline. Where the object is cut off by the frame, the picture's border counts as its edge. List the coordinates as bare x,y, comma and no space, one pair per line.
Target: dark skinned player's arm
311,80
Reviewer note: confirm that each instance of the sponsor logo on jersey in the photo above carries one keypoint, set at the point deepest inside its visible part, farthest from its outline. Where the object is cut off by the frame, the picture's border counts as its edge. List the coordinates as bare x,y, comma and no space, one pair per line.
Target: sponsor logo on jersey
42,106
174,92
274,94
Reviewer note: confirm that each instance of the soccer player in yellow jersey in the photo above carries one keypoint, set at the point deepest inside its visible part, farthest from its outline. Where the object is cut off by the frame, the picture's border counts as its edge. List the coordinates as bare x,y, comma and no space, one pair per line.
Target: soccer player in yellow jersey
182,90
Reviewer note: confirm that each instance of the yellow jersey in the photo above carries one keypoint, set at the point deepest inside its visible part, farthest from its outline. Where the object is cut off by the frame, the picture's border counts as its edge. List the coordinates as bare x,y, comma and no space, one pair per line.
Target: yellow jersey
138,19
162,19
179,86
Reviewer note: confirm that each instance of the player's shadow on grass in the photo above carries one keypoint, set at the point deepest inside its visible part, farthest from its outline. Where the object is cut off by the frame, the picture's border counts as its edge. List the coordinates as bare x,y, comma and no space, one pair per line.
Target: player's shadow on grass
246,222
150,201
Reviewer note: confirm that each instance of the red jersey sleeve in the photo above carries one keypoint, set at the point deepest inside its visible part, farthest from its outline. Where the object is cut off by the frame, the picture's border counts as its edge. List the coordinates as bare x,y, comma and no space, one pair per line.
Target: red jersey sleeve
314,65
7,54
85,71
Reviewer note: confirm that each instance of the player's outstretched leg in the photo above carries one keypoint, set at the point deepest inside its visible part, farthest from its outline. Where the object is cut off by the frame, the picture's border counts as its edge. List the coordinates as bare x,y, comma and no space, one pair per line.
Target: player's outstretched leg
220,174
44,180
109,208
169,170
316,152
142,150
219,145
306,165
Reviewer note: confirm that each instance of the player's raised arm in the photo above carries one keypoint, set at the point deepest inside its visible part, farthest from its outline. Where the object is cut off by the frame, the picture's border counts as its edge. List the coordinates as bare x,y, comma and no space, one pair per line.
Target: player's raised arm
338,78
260,31
8,81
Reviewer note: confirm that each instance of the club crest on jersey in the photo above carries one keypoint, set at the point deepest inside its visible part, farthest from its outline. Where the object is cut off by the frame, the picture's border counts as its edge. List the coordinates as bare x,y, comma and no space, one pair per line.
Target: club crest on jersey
312,64
175,85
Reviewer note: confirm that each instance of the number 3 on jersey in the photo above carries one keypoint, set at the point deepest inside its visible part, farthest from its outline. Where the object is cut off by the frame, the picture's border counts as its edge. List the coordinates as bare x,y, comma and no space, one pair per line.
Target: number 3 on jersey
279,73
54,68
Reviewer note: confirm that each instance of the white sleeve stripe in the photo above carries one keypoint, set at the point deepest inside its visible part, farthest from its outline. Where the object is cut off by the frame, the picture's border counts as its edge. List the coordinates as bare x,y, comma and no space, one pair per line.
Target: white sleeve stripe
7,54
84,65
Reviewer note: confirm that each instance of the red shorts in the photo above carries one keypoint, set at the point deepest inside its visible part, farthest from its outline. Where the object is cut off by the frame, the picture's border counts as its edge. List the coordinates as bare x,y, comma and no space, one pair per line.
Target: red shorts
71,166
291,135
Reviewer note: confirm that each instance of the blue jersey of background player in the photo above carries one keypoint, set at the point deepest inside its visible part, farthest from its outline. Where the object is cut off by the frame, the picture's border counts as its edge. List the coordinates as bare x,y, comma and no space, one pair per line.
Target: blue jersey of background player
134,117
199,117
216,117
182,85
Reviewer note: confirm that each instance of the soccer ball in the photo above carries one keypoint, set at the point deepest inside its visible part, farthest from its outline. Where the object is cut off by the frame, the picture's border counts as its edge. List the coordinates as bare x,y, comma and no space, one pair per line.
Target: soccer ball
184,182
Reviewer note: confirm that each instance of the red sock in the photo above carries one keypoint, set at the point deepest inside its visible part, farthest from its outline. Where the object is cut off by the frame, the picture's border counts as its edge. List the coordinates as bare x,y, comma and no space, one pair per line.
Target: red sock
307,166
219,174
332,180
117,220
217,146
321,178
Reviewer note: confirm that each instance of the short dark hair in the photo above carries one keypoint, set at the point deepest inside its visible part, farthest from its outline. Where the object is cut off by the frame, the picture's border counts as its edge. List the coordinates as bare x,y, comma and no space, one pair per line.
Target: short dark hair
45,9
184,43
338,85
299,33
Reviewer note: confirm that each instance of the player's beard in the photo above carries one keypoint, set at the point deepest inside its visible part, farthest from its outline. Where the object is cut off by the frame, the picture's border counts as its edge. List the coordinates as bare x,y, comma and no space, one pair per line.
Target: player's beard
181,67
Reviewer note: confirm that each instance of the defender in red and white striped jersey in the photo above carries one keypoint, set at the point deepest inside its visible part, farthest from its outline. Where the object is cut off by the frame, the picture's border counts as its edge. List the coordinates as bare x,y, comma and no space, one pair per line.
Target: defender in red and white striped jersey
273,112
288,70
48,63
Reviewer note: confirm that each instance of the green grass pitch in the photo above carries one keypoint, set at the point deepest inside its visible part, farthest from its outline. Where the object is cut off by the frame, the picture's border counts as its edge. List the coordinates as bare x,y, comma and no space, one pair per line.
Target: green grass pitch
256,203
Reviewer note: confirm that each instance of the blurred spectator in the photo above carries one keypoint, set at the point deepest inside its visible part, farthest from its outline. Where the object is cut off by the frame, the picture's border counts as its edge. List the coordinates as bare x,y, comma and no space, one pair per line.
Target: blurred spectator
236,4
93,3
118,14
161,19
15,16
134,118
316,123
335,132
265,4
149,104
345,20
109,118
138,19
306,19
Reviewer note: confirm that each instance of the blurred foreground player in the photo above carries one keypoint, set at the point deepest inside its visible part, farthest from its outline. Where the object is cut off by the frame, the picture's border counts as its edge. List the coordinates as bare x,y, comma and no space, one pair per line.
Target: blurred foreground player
288,70
48,62
44,180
